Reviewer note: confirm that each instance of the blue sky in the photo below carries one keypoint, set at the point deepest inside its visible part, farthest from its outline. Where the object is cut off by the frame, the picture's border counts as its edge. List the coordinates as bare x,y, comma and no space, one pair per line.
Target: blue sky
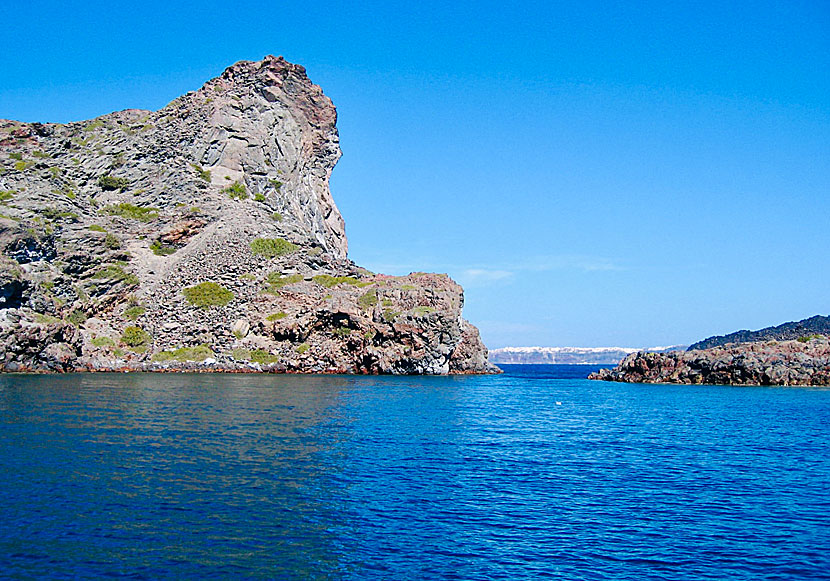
594,173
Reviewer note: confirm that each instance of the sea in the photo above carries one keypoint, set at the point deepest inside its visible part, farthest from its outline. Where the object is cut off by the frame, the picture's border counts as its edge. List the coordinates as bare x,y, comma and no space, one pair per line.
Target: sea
536,473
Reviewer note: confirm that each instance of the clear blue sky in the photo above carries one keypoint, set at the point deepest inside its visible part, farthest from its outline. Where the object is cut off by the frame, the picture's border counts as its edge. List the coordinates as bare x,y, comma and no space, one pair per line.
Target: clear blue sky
594,173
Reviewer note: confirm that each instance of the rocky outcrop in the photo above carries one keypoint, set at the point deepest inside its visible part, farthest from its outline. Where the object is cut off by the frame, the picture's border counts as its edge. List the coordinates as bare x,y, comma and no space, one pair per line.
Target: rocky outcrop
800,362
787,331
203,236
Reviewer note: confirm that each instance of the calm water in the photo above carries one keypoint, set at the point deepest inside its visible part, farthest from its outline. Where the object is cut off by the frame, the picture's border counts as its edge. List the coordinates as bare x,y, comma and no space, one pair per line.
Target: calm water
536,473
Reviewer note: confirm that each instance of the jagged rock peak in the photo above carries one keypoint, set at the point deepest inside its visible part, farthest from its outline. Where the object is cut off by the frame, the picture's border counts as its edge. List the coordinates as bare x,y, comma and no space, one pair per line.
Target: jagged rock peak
204,236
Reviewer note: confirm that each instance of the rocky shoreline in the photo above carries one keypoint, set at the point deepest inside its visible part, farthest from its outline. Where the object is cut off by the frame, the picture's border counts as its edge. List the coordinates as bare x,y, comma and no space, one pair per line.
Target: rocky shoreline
203,237
805,361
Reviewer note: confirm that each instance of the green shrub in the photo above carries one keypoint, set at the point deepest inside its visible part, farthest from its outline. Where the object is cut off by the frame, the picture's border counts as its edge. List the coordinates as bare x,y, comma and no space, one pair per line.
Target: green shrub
46,319
135,337
389,315
115,272
329,281
6,195
275,281
259,197
236,191
342,332
272,247
16,155
109,182
303,348
368,300
41,154
276,316
203,173
160,249
55,214
276,217
103,342
263,357
806,338
198,353
131,211
407,287
133,313
421,311
112,241
94,125
77,317
208,294
97,228
276,183
23,165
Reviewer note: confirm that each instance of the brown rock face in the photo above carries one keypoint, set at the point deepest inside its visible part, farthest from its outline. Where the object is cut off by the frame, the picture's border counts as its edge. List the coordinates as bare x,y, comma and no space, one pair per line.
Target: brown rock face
203,236
804,362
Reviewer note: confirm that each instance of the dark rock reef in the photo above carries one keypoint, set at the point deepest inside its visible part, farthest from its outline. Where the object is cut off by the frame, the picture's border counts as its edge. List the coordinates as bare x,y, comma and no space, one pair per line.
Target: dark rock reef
203,236
805,361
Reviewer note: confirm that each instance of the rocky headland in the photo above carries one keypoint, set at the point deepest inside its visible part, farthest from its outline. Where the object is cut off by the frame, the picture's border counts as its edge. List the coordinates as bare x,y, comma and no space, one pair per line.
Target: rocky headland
203,236
774,357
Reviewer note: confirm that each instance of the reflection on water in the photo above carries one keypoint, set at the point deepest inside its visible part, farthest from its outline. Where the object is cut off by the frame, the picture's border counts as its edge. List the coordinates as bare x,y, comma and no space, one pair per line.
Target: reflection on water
525,474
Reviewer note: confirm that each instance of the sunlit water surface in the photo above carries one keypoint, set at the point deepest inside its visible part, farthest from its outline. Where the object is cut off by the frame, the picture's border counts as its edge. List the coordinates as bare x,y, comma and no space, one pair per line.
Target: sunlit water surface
534,473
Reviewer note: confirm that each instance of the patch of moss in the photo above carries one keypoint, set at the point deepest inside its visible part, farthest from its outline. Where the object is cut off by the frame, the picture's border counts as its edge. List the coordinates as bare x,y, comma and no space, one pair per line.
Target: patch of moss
6,195
41,154
208,294
131,211
97,228
302,348
16,155
272,247
276,316
276,217
408,287
259,197
23,165
422,310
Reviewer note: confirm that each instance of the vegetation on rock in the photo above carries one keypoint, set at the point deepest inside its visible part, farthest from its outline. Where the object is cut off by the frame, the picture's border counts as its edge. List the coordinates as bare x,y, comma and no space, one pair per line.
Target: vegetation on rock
208,294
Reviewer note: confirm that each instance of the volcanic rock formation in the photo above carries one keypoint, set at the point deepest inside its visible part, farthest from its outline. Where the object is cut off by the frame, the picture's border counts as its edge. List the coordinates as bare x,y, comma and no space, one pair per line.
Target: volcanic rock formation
203,236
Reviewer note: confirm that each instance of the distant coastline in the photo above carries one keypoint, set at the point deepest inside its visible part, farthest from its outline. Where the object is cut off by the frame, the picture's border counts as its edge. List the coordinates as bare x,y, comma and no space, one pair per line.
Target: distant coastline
569,355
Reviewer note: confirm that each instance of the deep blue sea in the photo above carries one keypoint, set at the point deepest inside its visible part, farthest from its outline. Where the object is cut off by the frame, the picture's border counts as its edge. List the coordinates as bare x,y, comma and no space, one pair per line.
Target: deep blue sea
535,473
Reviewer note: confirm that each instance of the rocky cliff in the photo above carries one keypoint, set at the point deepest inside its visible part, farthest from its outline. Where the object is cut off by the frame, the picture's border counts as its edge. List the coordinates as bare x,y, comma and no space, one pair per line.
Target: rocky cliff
800,362
204,236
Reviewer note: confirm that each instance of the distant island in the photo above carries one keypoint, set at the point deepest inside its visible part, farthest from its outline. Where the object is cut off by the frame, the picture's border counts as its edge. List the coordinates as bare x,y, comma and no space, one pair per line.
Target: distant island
204,237
793,353
568,355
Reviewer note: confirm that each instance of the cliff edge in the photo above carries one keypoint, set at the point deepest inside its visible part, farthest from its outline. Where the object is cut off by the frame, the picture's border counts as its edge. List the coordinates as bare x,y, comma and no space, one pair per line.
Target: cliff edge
203,236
